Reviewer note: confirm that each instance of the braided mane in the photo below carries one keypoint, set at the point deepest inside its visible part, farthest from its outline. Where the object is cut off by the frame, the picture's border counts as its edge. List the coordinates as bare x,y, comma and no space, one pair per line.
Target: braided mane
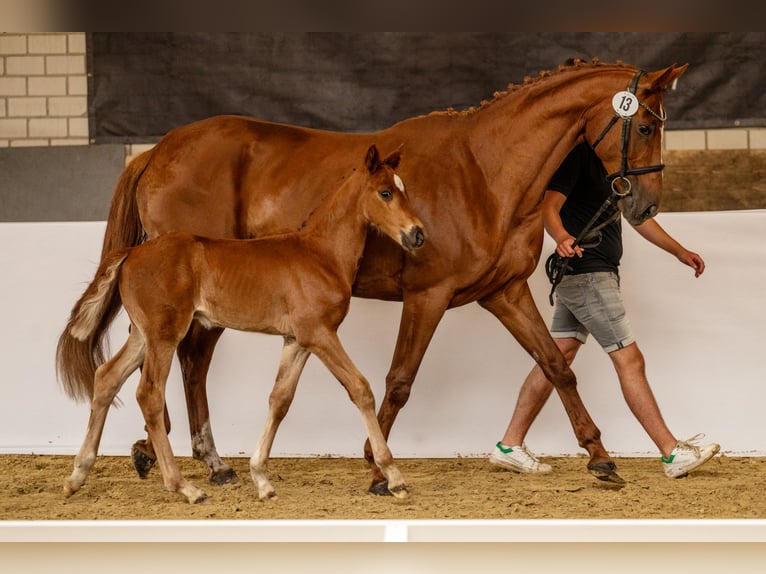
568,66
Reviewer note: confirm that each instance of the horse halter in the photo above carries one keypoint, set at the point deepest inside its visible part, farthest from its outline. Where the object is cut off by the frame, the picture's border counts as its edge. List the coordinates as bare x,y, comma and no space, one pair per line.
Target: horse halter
626,124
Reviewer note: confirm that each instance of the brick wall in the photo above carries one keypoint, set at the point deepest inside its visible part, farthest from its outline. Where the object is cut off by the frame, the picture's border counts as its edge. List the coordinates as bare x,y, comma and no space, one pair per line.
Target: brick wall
43,89
44,99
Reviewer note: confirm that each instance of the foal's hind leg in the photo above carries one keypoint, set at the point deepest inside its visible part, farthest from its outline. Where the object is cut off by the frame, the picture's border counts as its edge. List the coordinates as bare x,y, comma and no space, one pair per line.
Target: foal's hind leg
109,379
328,348
194,353
290,368
151,398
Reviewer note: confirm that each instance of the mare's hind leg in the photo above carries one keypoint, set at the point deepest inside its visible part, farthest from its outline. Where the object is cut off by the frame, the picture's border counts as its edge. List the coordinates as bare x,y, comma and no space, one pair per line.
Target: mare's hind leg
195,353
328,349
421,314
109,379
290,368
151,398
516,309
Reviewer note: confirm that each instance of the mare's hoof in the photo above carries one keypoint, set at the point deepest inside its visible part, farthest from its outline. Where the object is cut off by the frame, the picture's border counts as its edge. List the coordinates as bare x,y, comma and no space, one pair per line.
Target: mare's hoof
400,491
606,471
380,489
142,461
225,476
200,499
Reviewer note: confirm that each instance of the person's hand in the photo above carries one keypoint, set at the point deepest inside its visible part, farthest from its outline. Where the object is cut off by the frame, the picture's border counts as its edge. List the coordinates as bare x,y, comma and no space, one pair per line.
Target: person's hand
693,260
565,249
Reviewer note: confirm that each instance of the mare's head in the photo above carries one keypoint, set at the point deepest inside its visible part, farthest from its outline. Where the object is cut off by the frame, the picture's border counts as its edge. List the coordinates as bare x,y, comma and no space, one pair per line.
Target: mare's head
626,131
384,201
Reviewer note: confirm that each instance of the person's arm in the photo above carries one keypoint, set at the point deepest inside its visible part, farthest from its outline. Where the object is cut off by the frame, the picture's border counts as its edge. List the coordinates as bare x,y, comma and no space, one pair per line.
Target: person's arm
654,233
552,202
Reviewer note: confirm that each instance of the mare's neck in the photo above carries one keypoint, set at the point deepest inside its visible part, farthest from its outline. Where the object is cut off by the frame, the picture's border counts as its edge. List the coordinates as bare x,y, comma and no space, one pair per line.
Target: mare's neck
533,128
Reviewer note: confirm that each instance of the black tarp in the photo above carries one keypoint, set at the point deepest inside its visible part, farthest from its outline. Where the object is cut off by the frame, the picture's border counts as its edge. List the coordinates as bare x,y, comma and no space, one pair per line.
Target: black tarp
144,84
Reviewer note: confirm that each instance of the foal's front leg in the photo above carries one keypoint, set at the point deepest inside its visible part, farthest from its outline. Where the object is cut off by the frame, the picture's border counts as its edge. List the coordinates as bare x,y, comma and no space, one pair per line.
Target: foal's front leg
291,365
328,348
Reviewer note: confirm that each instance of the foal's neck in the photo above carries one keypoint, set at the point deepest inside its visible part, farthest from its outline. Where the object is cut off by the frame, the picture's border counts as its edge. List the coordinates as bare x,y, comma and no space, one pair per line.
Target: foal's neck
337,227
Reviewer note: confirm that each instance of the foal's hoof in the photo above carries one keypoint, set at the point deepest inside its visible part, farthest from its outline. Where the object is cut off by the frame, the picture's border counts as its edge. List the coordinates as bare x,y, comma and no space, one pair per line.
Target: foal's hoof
142,460
380,489
223,476
606,471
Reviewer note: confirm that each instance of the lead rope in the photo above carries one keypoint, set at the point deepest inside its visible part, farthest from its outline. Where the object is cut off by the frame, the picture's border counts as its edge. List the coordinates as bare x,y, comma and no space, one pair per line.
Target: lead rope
557,266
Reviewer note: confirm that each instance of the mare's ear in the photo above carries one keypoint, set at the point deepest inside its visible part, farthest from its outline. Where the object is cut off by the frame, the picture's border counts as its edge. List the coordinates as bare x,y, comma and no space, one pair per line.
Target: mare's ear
661,80
372,160
394,157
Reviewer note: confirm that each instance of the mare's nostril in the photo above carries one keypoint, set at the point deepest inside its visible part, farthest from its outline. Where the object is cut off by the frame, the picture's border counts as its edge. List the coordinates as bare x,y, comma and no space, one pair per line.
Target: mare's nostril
420,237
649,212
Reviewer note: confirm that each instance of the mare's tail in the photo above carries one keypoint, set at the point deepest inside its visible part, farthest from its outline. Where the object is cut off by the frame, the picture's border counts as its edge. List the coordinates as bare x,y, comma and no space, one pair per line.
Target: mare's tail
123,226
81,347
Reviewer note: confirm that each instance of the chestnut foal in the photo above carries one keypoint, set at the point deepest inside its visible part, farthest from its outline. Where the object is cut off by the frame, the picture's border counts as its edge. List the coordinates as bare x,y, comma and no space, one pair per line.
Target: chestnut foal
297,285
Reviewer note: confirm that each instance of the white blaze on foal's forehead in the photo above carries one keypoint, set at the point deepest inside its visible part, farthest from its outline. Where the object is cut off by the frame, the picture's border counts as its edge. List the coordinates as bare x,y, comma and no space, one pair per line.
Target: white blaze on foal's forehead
399,183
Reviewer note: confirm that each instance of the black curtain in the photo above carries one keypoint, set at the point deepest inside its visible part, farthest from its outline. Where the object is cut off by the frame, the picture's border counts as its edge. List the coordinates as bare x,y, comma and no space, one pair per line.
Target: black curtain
144,84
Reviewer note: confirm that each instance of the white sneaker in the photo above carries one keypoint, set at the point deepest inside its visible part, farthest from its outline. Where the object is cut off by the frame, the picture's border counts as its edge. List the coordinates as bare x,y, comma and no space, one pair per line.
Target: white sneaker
518,458
686,456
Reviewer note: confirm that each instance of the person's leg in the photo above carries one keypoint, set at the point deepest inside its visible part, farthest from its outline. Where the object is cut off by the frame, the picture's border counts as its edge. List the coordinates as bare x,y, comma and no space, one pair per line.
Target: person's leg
678,457
511,452
533,394
630,366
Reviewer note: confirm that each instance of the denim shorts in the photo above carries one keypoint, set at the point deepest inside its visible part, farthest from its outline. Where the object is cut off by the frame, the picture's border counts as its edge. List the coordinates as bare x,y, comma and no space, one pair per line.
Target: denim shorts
591,303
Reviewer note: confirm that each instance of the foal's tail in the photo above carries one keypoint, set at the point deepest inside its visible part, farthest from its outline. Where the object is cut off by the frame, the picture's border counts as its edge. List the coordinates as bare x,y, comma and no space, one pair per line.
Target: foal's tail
82,345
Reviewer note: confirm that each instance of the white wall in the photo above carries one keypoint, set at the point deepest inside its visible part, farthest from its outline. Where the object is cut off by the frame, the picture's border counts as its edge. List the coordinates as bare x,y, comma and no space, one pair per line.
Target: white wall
703,340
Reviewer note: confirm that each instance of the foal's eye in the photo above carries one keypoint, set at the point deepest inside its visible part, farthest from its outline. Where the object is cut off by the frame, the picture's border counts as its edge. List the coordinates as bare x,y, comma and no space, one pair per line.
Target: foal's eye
645,129
386,194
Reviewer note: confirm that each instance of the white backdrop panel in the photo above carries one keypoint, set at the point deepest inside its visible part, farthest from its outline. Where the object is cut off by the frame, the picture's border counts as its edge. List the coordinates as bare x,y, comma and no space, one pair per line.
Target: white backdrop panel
702,339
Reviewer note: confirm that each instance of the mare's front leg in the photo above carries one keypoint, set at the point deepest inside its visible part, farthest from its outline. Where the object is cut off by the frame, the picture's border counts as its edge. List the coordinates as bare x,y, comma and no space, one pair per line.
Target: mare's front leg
516,309
151,398
195,353
109,379
291,365
327,347
421,313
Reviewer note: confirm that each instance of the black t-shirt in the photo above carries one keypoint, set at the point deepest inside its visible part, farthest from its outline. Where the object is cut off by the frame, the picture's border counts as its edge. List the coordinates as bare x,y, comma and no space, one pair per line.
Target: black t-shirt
582,179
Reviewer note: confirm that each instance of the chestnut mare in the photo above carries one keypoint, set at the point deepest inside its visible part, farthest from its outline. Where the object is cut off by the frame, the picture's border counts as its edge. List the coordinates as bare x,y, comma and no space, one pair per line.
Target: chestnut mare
297,285
476,179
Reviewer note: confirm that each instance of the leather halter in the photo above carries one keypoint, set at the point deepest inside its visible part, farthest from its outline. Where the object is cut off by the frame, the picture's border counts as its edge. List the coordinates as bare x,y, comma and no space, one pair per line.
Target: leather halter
625,171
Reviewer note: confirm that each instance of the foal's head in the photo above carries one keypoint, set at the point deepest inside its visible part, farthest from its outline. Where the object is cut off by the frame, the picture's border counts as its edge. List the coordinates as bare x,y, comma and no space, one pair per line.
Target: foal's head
384,202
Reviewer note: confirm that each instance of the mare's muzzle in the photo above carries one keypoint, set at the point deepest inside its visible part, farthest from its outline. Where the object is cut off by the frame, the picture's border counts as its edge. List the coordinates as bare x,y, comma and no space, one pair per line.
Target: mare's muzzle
414,238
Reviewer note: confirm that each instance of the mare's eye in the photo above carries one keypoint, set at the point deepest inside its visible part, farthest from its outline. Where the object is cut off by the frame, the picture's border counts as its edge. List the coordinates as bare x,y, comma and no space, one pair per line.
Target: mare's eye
645,129
386,194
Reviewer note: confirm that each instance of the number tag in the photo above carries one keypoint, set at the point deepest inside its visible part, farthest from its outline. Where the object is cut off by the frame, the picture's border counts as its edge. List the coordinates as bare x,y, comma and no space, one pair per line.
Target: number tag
625,104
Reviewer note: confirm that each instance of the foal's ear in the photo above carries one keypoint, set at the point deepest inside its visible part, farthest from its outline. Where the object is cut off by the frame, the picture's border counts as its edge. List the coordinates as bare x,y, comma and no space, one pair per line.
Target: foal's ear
393,158
372,160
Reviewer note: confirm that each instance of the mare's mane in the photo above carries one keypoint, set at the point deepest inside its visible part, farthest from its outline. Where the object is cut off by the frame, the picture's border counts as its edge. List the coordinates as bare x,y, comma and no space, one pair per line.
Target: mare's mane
568,66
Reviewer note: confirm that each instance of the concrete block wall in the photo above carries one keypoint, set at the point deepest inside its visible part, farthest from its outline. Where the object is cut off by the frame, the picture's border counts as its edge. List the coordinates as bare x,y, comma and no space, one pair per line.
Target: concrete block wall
43,89
44,99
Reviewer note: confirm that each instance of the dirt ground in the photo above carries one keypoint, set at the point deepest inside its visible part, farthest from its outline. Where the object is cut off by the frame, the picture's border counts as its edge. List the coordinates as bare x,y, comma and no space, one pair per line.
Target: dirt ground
336,488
